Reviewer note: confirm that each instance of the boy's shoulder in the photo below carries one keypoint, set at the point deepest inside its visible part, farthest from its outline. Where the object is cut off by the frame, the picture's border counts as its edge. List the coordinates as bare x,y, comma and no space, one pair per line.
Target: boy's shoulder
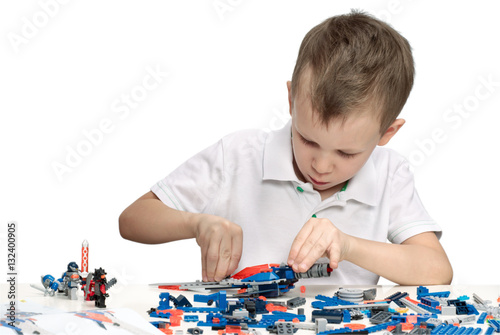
249,137
387,158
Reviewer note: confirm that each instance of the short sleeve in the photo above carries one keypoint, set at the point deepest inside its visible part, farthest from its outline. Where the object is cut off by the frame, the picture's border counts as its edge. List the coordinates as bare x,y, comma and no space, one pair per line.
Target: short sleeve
194,185
408,216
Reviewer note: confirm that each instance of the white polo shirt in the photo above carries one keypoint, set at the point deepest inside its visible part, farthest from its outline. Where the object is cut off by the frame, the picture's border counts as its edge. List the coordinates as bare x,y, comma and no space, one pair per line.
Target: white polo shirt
248,178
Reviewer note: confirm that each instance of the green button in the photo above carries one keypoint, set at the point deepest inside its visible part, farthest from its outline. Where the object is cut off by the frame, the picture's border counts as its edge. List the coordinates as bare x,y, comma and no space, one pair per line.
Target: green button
300,189
314,216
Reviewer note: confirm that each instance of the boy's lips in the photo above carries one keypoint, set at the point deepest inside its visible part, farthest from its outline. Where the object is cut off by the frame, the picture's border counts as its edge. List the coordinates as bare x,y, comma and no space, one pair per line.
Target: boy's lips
317,182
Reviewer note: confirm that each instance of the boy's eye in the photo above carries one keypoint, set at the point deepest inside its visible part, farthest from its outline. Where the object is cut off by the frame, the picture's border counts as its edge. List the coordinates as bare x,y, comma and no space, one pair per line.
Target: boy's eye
346,155
306,142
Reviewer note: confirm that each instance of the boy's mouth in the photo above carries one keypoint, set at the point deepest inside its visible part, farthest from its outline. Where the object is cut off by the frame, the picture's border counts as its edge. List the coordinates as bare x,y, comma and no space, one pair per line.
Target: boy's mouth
315,182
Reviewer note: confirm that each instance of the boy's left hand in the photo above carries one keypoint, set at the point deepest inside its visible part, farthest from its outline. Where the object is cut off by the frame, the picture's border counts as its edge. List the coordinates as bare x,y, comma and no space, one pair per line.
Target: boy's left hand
318,238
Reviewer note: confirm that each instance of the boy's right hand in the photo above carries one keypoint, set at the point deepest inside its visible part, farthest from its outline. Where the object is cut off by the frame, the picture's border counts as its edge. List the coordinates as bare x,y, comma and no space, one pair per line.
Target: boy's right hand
221,243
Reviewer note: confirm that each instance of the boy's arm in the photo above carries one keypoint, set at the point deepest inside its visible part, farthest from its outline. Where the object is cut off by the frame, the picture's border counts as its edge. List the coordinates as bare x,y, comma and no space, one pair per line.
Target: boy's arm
420,260
149,220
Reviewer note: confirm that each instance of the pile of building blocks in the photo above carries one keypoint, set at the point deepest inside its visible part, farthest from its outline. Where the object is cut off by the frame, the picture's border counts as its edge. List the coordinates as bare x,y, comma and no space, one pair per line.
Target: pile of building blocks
349,311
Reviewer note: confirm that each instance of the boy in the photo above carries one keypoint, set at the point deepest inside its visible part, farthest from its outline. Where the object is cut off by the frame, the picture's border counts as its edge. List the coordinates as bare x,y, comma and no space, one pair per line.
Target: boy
319,187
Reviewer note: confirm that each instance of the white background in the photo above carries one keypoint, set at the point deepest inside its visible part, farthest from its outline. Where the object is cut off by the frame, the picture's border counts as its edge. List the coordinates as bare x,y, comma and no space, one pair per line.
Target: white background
67,67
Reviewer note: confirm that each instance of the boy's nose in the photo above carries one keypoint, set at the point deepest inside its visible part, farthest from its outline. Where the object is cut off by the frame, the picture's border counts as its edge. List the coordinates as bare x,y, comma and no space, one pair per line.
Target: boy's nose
322,166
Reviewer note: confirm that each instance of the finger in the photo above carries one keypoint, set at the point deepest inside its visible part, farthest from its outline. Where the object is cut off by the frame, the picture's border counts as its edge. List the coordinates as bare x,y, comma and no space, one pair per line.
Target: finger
236,252
212,258
223,259
204,263
333,254
298,242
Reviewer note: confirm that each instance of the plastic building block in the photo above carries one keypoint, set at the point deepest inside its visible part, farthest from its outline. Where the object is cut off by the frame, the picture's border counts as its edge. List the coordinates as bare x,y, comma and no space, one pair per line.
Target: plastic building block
180,301
461,320
381,317
481,318
195,331
449,310
478,300
163,326
472,310
219,298
352,295
346,317
295,302
429,302
423,291
325,301
369,294
433,322
430,308
273,308
495,325
283,316
191,318
330,316
285,328
461,306
396,296
320,325
175,320
489,331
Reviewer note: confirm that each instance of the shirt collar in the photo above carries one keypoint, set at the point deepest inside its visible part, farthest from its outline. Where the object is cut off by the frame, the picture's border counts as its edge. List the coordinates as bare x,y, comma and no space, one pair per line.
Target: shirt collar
278,156
363,186
278,165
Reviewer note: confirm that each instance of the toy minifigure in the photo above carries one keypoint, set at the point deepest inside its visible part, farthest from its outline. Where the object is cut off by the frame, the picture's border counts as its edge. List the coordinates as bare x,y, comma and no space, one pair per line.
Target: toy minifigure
97,286
70,280
50,284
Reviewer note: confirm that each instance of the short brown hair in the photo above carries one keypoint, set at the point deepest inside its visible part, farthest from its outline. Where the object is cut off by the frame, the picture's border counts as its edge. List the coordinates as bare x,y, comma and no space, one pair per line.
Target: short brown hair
355,59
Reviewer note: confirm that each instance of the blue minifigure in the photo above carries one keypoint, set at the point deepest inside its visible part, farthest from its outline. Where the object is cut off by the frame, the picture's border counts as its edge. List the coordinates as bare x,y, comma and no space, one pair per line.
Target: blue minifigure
50,284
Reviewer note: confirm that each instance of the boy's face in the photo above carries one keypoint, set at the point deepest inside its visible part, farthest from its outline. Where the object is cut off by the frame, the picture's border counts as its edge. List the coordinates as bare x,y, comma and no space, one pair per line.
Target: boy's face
328,157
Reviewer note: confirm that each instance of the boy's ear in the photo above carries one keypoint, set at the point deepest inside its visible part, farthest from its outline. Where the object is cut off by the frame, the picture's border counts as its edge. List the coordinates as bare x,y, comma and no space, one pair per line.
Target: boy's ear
289,87
391,131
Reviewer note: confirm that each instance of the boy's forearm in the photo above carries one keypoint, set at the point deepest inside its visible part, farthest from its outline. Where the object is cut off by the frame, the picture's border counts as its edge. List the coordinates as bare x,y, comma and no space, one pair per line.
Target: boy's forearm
150,221
404,264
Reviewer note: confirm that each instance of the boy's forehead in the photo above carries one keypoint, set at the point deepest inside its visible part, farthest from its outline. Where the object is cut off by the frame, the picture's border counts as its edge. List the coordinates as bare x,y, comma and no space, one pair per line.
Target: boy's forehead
355,131
304,114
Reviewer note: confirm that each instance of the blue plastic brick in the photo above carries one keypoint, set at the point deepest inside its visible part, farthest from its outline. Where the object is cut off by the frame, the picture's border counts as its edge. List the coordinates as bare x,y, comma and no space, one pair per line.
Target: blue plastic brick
190,318
489,331
276,315
472,310
429,302
346,317
481,318
219,298
423,291
495,325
